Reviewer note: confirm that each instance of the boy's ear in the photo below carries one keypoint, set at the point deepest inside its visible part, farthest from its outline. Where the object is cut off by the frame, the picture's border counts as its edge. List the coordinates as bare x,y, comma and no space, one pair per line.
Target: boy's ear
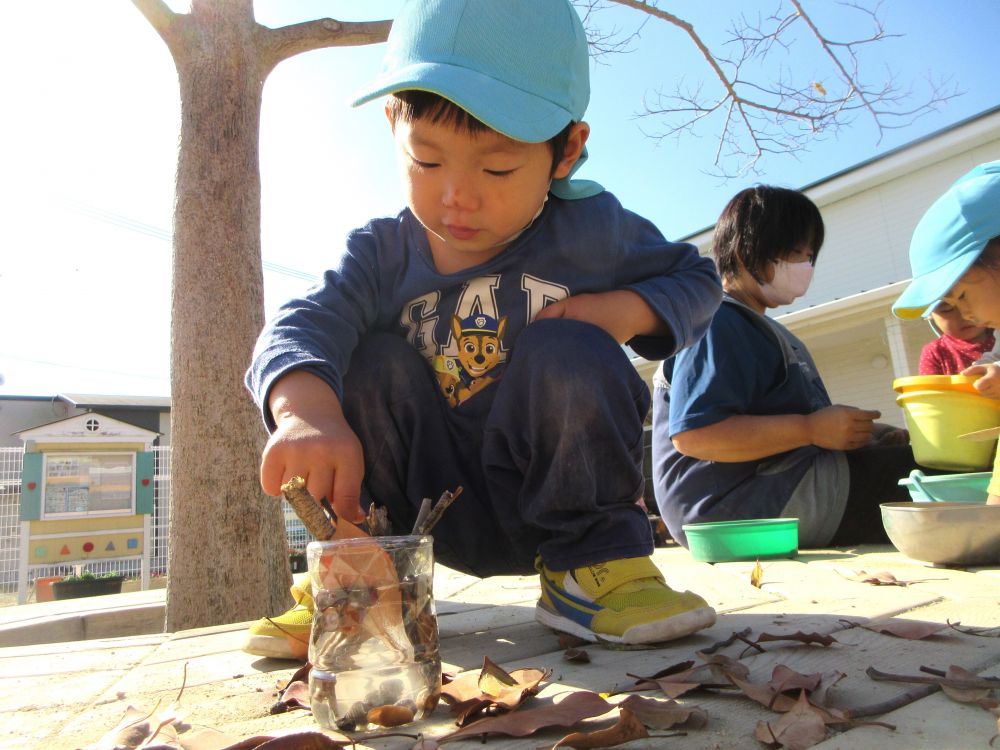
578,135
388,116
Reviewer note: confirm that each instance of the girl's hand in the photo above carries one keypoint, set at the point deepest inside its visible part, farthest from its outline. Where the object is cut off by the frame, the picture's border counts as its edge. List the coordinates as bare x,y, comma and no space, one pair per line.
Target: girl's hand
841,428
988,383
886,434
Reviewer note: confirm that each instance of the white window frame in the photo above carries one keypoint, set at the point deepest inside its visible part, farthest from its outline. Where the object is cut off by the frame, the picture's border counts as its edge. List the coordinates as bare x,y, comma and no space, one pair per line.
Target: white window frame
130,511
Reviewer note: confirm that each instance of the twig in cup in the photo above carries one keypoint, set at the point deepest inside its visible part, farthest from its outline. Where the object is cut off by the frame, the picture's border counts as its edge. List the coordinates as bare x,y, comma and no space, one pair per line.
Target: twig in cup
427,519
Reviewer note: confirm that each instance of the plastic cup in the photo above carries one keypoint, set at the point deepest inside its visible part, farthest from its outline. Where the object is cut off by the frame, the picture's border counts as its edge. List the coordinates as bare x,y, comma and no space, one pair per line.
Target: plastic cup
374,641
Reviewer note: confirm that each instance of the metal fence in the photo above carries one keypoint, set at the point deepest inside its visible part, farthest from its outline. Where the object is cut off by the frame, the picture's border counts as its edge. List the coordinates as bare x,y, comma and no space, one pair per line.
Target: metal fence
11,460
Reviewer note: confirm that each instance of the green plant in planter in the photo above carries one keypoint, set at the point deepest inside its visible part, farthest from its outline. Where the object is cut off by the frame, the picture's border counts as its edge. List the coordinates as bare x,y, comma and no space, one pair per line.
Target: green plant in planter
88,576
88,584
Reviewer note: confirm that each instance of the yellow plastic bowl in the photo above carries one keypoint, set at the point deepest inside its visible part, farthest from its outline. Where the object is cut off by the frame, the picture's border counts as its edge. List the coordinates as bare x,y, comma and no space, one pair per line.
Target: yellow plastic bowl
935,419
958,383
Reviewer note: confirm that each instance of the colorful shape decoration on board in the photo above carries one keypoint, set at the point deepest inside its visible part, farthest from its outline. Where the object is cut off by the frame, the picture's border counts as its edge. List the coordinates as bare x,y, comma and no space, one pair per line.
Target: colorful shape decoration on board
110,547
88,546
64,550
133,543
41,551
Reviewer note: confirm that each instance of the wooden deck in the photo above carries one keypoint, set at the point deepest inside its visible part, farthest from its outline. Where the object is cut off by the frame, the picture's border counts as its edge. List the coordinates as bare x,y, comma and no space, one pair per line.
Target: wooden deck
68,695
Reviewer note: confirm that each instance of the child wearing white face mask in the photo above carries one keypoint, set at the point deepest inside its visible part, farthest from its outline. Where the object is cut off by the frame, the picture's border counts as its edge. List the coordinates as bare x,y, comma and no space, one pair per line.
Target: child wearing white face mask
743,427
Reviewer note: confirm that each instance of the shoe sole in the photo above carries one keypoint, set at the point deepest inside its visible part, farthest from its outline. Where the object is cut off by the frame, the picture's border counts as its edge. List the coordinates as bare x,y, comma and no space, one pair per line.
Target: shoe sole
275,648
661,631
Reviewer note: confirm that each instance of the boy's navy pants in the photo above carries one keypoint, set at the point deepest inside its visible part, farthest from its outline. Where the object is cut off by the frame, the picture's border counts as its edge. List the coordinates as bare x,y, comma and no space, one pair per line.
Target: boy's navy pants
549,457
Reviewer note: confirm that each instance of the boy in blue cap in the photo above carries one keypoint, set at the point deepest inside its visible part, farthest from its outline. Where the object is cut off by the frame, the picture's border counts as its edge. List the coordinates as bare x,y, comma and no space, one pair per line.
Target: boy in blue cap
520,285
955,258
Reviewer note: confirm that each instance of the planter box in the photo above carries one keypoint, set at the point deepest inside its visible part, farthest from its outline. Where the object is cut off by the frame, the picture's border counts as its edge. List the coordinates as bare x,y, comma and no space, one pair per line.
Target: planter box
92,587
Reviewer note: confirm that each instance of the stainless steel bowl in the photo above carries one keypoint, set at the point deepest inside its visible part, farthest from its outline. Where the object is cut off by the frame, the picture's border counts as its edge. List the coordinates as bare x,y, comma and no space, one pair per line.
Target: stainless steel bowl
947,533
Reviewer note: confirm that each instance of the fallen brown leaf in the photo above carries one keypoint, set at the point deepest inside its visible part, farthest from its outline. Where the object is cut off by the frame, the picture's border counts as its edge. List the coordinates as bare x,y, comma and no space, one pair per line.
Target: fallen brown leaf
491,690
672,685
980,696
914,630
296,739
722,666
885,578
714,672
756,575
817,684
295,695
567,711
390,716
659,714
781,703
567,641
578,655
800,727
138,728
626,729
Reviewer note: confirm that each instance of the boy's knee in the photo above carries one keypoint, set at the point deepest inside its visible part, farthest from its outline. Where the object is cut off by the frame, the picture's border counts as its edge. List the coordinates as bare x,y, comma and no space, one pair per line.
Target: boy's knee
573,357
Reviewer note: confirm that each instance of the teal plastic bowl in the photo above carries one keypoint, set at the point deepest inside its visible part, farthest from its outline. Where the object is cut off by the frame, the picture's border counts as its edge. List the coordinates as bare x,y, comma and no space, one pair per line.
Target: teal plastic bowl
729,541
947,488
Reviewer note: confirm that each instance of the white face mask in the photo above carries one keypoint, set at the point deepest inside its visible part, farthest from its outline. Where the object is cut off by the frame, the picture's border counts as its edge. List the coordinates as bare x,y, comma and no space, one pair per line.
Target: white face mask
790,280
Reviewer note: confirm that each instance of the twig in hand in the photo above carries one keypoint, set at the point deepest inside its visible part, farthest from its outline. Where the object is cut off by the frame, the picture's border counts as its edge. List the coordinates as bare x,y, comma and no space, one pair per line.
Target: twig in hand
446,499
307,509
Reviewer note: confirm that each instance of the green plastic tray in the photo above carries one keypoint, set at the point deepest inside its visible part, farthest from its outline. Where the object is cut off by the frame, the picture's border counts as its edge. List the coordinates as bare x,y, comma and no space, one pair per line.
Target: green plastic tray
727,541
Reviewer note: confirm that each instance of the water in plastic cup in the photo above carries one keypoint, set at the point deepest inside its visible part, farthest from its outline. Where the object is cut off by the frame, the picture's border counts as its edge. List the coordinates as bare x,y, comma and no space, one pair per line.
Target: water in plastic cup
374,641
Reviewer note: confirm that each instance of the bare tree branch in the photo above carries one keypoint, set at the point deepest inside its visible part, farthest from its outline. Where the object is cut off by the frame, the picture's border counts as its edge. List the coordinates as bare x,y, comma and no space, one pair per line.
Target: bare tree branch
161,18
279,44
777,108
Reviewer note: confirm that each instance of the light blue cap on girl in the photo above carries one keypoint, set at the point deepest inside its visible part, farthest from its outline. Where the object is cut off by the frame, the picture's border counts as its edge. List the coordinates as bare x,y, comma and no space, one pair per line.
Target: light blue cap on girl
950,237
519,66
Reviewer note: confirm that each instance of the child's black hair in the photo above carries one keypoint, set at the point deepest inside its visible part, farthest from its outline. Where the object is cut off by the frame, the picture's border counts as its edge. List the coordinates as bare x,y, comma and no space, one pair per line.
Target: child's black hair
412,104
763,224
990,256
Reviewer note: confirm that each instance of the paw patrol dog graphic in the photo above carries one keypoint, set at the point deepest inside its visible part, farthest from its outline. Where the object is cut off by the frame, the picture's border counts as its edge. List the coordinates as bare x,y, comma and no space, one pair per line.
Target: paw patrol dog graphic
479,351
448,371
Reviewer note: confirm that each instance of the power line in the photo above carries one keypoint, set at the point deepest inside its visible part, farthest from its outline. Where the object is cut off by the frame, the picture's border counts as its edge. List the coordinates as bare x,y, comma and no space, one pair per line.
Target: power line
49,363
124,222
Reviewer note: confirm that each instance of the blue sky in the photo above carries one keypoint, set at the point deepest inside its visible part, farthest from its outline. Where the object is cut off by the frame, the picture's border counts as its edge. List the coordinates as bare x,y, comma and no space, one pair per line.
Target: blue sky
89,150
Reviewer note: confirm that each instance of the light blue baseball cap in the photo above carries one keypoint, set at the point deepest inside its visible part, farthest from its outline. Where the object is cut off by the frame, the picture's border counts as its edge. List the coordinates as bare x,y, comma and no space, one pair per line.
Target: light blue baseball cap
950,237
519,66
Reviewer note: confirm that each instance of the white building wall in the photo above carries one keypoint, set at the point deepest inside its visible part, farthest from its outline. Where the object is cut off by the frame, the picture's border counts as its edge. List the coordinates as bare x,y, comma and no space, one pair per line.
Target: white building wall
870,212
17,413
868,232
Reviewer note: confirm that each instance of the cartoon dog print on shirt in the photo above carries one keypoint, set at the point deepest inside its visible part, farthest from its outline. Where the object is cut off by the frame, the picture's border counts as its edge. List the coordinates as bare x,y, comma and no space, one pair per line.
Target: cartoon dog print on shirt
479,338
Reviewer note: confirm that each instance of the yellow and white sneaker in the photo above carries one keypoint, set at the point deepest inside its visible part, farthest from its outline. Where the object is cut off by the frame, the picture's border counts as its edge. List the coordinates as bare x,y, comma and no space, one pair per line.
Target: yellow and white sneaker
287,635
620,601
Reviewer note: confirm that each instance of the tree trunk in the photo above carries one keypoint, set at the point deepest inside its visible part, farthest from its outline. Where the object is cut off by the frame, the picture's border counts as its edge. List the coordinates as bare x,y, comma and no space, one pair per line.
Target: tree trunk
228,553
